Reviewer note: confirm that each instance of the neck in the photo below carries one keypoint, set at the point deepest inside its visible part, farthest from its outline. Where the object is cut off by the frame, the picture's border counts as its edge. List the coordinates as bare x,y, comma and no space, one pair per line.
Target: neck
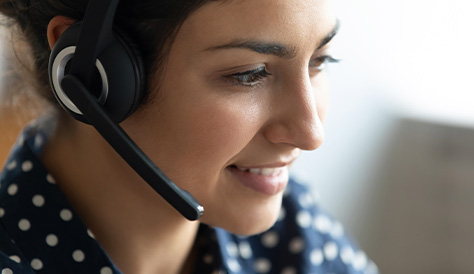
132,222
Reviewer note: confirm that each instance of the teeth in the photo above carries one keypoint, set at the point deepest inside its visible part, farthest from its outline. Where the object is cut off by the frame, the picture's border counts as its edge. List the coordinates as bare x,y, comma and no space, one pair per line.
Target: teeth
256,170
262,171
276,171
267,171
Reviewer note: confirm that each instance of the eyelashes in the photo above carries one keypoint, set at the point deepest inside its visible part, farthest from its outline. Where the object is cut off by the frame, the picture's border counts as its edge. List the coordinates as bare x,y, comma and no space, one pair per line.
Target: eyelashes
256,76
320,63
250,77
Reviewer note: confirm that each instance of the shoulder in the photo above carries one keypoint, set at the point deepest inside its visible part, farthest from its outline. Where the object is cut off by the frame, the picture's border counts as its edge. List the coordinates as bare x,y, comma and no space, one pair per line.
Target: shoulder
304,239
318,240
20,175
39,229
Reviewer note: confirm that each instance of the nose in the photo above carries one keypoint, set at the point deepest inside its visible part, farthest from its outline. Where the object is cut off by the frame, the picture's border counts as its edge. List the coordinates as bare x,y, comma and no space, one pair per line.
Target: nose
294,117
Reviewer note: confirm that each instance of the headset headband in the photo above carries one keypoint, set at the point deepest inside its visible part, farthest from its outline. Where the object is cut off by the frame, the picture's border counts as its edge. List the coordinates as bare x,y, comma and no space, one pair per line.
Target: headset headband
95,36
96,33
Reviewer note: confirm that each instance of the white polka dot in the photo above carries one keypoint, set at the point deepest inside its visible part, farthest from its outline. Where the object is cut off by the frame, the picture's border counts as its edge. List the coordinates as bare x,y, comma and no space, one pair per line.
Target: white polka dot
24,225
36,264
322,224
234,265
50,179
270,239
52,240
12,189
232,250
288,270
106,270
371,268
15,258
305,200
38,200
330,251
2,212
66,215
21,140
78,256
7,271
316,257
38,141
89,232
26,166
337,230
208,259
296,245
282,214
242,237
262,265
347,255
11,165
245,250
360,260
303,218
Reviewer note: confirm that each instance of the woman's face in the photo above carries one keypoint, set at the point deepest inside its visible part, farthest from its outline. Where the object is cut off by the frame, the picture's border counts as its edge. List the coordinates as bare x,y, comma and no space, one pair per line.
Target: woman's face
242,92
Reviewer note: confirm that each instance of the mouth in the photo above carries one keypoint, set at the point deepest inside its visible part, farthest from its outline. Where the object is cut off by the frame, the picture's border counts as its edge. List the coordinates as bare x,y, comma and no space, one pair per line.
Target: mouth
261,171
265,180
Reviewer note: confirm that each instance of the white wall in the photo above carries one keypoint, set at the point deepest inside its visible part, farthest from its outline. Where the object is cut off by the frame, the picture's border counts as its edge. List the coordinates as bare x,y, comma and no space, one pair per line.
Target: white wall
405,76
421,50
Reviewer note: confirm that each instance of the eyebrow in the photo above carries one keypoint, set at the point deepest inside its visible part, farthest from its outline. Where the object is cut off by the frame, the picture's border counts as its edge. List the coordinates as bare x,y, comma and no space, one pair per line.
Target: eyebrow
330,35
270,48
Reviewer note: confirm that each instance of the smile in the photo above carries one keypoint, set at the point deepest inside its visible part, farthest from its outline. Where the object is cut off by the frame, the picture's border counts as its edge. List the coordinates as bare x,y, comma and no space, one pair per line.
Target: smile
267,180
262,171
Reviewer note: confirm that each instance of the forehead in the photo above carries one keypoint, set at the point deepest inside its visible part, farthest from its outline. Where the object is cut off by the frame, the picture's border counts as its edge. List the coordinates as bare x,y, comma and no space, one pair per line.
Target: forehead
288,21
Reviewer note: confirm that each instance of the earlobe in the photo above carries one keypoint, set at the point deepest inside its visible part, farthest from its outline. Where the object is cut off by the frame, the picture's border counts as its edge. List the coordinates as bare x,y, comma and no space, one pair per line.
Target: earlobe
56,27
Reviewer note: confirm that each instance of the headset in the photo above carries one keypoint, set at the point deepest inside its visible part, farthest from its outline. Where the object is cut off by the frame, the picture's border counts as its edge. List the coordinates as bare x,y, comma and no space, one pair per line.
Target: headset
97,76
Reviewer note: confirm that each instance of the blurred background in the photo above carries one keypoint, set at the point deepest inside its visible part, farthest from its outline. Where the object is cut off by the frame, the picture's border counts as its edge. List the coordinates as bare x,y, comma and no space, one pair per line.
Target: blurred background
17,104
397,164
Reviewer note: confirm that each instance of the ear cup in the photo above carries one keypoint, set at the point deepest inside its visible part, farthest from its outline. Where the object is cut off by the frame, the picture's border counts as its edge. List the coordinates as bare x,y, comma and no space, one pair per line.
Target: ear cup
136,57
118,81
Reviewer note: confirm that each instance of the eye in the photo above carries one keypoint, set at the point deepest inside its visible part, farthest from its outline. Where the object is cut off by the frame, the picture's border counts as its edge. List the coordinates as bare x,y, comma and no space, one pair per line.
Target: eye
250,77
319,63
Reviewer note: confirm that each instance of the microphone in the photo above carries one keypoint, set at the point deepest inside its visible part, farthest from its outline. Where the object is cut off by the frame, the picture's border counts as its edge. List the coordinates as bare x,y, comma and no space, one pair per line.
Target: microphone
94,44
180,199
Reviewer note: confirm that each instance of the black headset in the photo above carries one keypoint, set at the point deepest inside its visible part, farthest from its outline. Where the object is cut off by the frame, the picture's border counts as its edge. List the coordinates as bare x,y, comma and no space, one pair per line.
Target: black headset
97,76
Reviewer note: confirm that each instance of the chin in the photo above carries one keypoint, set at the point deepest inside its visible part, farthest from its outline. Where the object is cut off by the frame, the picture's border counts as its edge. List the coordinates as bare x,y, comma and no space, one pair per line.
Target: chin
248,221
251,228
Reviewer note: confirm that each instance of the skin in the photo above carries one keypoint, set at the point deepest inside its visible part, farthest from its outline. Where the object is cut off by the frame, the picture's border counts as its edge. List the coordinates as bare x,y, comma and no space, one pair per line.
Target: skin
202,123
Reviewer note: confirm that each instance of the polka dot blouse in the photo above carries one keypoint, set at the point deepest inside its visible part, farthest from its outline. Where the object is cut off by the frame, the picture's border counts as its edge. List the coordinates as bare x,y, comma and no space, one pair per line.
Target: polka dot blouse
41,233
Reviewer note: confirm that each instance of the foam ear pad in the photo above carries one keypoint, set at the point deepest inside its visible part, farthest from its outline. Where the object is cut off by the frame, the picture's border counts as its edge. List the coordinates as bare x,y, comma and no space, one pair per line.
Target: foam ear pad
136,57
120,76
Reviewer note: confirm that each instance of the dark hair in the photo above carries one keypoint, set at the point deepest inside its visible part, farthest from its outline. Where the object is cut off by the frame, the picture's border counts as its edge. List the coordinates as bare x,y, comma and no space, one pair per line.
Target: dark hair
152,24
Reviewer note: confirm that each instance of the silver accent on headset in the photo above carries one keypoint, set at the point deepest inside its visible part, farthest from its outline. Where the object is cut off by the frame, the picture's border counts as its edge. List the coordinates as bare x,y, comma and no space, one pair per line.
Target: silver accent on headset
57,74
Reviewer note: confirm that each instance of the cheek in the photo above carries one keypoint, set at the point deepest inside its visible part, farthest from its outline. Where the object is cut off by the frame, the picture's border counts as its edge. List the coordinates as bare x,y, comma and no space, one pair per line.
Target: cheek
192,138
216,129
223,126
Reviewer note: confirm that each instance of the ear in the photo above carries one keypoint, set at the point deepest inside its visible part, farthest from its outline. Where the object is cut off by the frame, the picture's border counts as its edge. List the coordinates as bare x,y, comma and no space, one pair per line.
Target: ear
56,27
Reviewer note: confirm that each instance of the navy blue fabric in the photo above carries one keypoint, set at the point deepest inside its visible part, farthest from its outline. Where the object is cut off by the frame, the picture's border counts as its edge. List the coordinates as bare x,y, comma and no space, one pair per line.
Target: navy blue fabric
41,233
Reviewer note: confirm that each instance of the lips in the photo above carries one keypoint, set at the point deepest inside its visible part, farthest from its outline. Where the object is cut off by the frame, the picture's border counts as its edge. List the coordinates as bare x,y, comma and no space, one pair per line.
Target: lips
265,180
262,171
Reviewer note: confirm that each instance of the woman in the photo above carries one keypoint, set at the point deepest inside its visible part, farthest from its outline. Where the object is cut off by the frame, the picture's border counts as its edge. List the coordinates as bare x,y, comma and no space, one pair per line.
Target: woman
235,90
